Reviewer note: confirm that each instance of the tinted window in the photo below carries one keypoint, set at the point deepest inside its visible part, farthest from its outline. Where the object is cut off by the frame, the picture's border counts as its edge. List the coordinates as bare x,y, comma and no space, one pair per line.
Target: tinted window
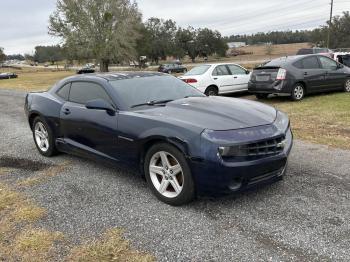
298,64
237,70
198,70
328,63
152,88
310,63
221,70
82,92
63,92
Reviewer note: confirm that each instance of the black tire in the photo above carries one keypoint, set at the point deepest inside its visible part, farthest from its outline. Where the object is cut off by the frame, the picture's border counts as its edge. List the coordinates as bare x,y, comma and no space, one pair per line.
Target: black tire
187,193
298,92
52,150
212,91
261,96
347,85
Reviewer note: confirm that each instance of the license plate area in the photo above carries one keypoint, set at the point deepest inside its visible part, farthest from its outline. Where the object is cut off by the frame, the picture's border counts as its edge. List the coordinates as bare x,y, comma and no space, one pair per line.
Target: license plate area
262,78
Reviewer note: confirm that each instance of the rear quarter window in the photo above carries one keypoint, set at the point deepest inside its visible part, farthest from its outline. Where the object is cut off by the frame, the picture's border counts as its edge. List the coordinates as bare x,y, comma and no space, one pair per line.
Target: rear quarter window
63,92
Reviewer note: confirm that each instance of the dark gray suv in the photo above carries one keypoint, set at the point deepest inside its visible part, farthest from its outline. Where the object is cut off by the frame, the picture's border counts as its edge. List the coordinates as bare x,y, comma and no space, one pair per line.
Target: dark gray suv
297,76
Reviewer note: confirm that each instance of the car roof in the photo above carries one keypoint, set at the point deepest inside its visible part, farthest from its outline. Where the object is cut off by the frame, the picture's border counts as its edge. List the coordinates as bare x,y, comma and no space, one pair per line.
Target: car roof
112,76
288,59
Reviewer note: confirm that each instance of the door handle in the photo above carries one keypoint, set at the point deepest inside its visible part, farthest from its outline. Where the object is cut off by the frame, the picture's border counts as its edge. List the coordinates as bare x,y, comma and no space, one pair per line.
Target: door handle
305,73
215,78
235,77
66,111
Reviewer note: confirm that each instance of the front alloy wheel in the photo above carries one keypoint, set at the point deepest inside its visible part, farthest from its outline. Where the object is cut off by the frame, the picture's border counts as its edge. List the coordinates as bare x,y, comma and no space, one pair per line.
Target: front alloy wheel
168,175
298,92
347,85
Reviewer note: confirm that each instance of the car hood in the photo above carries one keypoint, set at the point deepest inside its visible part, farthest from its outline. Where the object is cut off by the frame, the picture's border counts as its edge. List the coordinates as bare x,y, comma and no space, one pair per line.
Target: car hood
214,113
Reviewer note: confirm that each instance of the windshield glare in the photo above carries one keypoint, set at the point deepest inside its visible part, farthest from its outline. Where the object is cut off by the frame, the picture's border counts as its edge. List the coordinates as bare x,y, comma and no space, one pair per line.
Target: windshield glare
198,70
140,90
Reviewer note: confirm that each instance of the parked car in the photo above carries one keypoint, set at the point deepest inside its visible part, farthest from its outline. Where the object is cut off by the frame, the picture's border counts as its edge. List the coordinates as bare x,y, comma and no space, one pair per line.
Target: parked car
185,143
172,68
8,75
343,58
297,76
217,79
316,50
86,70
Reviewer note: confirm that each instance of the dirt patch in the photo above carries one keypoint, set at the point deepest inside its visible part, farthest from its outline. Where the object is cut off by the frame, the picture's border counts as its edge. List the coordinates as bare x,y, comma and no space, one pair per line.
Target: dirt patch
21,163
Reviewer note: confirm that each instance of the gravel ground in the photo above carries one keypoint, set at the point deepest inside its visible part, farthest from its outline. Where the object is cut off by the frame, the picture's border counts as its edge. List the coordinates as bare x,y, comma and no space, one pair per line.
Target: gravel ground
305,217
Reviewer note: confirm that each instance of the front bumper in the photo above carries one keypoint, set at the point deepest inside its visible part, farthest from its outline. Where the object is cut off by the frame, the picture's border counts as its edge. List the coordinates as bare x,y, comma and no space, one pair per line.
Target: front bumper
226,177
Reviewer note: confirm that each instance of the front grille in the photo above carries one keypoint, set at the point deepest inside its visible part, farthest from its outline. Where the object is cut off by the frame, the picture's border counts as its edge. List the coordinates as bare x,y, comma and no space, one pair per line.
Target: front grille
265,147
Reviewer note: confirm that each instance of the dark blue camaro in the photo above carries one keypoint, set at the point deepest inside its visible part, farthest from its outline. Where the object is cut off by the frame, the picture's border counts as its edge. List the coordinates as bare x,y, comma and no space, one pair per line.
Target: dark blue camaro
185,143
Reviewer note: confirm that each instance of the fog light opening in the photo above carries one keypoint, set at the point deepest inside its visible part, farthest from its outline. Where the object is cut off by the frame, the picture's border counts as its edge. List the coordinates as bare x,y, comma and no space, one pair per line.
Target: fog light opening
235,184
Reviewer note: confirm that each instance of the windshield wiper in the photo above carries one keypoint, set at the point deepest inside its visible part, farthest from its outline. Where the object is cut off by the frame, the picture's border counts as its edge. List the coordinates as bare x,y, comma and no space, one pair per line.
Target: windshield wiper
152,103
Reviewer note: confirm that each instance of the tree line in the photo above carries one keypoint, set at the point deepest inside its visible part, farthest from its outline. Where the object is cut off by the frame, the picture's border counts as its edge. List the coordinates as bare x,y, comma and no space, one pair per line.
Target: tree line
112,31
339,32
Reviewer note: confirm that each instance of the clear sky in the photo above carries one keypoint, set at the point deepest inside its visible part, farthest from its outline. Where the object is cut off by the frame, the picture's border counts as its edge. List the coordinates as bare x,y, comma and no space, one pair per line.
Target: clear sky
24,22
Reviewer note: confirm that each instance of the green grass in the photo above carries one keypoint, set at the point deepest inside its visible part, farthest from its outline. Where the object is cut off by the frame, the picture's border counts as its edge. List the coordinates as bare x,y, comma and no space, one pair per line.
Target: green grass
322,119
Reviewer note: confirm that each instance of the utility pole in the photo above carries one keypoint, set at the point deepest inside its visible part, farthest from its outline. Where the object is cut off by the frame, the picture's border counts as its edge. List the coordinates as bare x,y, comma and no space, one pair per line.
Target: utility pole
330,24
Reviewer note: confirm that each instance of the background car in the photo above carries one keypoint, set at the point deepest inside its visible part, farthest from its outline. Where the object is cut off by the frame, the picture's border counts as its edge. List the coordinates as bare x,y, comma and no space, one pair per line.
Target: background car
8,75
86,70
343,58
316,50
172,68
184,143
297,76
215,79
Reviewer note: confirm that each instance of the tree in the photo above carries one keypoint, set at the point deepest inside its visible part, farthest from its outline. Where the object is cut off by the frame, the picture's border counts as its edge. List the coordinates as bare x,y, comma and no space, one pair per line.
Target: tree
160,35
104,29
50,54
15,57
2,55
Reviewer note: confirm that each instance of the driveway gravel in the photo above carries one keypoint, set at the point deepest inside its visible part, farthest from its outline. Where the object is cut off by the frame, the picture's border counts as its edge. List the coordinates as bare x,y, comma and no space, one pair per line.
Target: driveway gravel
305,217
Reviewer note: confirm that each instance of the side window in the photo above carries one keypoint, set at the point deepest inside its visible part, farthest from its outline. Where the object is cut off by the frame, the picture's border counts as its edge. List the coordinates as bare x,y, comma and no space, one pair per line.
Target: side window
221,70
310,63
236,70
298,64
63,92
82,92
328,63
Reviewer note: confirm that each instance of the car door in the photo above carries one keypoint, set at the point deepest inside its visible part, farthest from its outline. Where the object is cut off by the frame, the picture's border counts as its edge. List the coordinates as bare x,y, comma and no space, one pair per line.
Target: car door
335,76
240,77
223,78
312,73
89,130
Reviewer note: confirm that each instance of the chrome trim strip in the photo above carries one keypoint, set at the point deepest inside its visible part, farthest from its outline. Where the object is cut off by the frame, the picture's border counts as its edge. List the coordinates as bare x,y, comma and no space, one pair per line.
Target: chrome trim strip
126,138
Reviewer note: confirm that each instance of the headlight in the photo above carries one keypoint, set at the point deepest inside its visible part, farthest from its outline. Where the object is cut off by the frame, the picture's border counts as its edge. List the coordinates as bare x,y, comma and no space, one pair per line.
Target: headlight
282,121
230,151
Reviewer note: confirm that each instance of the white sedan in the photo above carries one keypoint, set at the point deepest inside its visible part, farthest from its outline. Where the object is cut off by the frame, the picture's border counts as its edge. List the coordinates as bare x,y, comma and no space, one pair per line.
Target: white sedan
215,79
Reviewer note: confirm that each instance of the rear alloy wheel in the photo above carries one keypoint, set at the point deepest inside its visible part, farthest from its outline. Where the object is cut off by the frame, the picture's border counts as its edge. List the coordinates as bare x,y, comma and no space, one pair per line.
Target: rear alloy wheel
261,96
347,85
168,175
170,72
211,91
298,92
43,137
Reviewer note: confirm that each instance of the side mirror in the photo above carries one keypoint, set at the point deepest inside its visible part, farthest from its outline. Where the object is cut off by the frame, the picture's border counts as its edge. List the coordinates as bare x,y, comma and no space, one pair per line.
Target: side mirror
339,66
100,104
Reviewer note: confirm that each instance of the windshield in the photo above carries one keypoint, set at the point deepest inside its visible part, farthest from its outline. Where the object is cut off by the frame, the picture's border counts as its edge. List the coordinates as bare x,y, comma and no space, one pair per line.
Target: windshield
198,70
135,91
